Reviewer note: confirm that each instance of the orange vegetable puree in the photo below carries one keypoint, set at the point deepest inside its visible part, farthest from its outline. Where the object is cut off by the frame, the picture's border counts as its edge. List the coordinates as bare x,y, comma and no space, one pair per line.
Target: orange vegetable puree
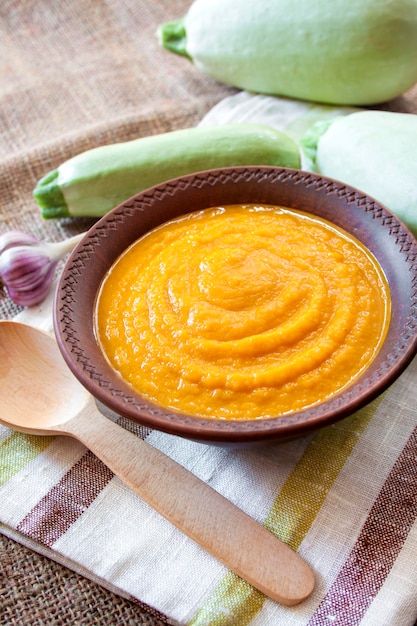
243,312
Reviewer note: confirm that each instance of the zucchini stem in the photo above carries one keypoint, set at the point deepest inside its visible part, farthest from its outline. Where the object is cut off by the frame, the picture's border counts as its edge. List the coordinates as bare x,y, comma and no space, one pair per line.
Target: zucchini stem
173,37
50,198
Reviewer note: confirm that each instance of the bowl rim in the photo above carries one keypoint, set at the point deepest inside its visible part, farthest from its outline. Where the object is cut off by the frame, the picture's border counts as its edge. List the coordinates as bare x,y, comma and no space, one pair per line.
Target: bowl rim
109,388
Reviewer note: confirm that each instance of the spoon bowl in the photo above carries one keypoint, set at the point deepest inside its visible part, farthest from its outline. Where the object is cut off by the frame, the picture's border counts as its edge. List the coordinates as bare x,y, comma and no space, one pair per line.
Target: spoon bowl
31,366
29,358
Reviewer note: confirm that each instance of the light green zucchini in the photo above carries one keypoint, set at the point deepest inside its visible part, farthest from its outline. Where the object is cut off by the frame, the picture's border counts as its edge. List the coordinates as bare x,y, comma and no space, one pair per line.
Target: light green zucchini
94,182
374,151
346,52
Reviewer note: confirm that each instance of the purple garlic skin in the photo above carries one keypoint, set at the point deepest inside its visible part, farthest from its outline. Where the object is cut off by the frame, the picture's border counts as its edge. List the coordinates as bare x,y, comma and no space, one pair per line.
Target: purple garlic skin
15,238
27,265
27,272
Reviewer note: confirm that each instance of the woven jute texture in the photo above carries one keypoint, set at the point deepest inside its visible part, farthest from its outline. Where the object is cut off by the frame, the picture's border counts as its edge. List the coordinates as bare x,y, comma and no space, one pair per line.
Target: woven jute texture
75,75
35,590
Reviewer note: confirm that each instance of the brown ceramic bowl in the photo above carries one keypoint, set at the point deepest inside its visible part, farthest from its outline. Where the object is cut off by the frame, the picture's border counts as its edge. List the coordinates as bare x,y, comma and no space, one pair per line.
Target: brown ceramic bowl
391,243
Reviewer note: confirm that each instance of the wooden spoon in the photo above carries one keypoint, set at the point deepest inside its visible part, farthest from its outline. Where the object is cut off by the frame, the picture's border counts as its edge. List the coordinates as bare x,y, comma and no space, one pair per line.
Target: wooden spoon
39,395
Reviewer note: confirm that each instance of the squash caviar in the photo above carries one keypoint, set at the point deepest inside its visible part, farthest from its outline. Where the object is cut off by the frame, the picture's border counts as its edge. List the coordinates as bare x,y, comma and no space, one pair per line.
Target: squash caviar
242,312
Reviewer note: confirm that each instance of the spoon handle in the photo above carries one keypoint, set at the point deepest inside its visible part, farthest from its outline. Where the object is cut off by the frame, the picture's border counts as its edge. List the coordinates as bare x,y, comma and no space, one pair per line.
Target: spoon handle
200,512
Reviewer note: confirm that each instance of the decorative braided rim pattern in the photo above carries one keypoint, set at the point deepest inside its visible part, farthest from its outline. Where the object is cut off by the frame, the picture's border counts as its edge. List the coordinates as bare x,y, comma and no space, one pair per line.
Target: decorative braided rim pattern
118,395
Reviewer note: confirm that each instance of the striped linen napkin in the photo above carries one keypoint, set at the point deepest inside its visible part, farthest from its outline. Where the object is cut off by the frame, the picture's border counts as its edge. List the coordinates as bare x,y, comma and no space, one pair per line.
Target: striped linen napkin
344,497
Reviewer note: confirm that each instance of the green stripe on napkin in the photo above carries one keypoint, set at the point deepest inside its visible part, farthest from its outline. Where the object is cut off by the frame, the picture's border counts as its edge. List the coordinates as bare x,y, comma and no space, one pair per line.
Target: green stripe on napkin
17,451
235,601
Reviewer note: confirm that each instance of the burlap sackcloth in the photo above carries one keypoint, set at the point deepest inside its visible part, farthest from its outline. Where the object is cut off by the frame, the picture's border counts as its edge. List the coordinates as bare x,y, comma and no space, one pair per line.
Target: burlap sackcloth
73,77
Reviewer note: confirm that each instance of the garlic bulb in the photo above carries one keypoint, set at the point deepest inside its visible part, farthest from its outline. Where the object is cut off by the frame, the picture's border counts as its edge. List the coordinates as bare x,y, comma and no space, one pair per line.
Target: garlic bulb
27,265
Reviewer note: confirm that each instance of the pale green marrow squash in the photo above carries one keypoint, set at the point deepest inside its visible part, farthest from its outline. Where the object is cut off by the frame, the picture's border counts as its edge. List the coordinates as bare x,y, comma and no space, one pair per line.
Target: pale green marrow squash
345,52
374,151
94,182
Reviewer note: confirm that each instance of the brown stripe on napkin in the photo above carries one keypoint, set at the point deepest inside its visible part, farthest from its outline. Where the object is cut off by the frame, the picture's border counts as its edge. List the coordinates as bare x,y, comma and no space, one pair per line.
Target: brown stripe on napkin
378,545
66,501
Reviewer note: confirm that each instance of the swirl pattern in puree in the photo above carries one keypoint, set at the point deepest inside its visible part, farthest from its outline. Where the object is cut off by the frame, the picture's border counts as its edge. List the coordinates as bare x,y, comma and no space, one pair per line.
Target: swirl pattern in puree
243,312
